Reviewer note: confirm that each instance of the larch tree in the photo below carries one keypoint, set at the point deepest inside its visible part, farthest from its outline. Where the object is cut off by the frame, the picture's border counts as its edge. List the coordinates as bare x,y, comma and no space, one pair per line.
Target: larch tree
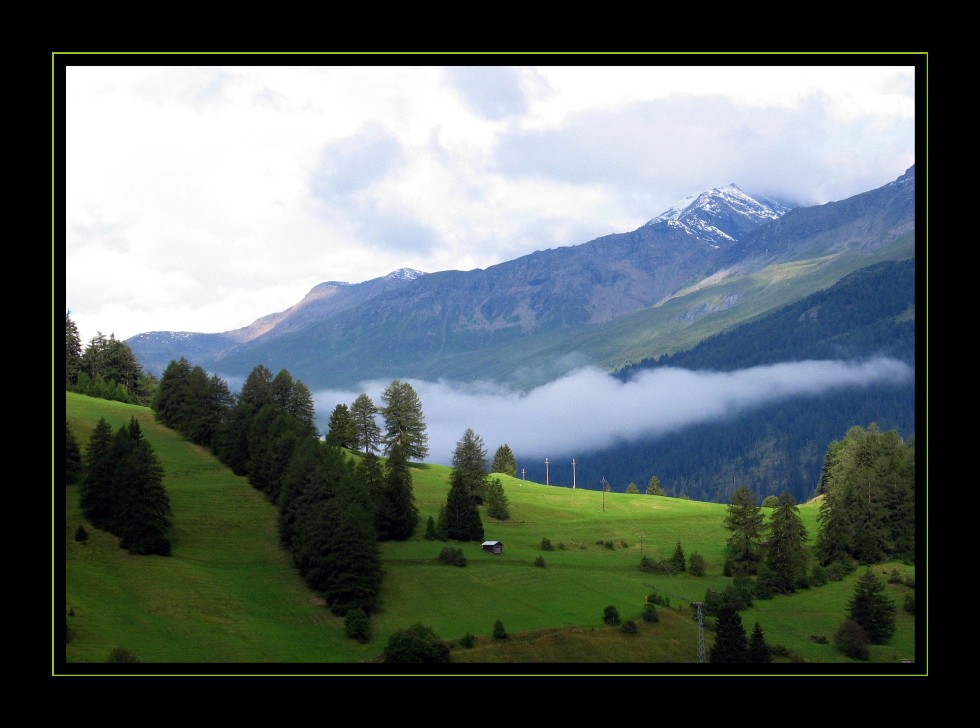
404,420
363,414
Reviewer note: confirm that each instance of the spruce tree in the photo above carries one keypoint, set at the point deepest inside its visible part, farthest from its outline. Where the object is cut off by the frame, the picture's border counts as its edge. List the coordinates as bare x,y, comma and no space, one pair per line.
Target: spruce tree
142,514
871,608
463,521
73,456
470,462
759,650
677,560
730,645
504,461
786,552
744,522
341,431
497,504
96,486
397,514
73,351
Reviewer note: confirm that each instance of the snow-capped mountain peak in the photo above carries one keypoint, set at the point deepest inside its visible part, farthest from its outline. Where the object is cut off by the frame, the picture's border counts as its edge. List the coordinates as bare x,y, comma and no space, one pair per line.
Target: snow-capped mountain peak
720,215
405,274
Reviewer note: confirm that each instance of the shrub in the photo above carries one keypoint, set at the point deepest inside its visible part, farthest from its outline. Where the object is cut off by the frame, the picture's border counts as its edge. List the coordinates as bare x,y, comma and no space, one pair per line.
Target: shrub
818,638
909,605
656,567
499,633
539,561
770,501
624,544
610,615
357,625
81,535
121,654
894,577
910,581
561,546
628,627
452,556
609,545
467,640
726,570
650,612
430,530
418,643
697,565
852,640
546,545
839,569
655,598
779,651
677,559
818,577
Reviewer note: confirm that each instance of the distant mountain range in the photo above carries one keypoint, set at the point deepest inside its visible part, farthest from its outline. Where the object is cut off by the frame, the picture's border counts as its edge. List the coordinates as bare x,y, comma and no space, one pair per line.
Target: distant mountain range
715,260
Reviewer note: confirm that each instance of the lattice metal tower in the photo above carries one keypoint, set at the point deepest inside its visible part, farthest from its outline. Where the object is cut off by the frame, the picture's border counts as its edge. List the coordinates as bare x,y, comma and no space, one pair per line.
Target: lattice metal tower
701,655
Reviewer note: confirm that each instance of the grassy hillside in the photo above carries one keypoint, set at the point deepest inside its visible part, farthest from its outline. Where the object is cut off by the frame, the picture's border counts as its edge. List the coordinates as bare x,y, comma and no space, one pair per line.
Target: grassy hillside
228,593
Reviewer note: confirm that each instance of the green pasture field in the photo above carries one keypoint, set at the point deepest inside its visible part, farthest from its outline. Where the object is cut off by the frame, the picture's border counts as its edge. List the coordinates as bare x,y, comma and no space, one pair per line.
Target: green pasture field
228,593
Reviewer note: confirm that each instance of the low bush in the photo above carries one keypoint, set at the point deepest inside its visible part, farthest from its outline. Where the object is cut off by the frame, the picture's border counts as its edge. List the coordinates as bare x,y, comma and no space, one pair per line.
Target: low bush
539,562
610,615
546,545
852,640
357,625
628,627
499,633
452,556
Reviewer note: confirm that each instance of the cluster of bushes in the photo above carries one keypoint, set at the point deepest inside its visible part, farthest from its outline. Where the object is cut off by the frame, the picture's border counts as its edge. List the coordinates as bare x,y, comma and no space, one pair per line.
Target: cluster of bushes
452,556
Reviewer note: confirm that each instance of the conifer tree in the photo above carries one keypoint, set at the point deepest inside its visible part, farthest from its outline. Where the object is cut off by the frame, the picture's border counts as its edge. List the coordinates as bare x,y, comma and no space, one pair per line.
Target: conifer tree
96,486
470,462
363,412
463,521
73,351
871,608
497,504
142,515
73,456
341,430
404,421
730,644
786,552
744,522
759,650
504,461
397,514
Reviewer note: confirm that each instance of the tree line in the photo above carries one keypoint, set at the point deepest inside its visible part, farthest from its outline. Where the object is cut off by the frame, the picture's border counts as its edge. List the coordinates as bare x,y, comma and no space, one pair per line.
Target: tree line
106,368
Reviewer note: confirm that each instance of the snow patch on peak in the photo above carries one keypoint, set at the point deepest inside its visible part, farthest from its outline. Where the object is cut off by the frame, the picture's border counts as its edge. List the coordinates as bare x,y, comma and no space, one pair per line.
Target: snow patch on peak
405,274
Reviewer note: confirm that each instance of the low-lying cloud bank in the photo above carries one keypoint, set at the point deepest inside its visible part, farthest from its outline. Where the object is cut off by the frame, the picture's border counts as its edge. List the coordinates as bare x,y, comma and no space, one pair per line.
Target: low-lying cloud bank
589,410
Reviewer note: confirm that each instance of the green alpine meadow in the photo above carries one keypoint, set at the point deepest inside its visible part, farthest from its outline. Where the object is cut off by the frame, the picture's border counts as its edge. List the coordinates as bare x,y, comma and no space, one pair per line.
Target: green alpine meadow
566,594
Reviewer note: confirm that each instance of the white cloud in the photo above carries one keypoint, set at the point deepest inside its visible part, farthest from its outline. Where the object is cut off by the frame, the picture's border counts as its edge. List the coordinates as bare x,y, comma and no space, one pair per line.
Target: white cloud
589,410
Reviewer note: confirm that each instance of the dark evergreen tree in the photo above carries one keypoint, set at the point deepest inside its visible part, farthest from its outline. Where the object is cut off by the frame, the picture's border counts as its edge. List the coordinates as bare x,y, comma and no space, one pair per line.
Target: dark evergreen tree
868,511
759,650
257,391
341,430
786,550
730,644
470,462
404,421
463,521
113,362
300,406
363,413
744,522
677,560
653,487
352,562
370,475
504,461
73,351
871,608
143,515
497,504
397,514
230,441
73,456
96,494
272,436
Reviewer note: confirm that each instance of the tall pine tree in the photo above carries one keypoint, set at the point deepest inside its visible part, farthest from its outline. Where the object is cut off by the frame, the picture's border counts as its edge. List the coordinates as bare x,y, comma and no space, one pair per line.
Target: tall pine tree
397,514
786,551
404,420
744,522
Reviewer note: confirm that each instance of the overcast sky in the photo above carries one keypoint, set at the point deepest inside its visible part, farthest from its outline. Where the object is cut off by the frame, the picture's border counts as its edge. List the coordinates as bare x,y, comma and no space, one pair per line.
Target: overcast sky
199,198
